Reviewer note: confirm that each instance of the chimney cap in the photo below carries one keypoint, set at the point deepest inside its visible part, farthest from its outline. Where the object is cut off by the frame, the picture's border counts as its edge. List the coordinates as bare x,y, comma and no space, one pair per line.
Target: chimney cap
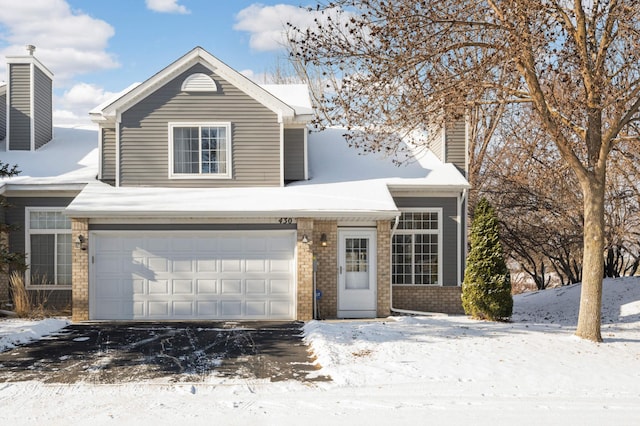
31,48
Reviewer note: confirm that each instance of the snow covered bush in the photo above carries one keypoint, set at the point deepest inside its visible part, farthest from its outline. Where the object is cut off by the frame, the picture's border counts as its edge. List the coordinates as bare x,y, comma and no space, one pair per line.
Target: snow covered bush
486,289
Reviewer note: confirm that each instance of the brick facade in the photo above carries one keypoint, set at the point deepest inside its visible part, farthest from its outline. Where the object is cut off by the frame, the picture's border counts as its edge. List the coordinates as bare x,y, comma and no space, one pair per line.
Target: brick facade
80,271
446,300
305,270
327,267
383,245
4,275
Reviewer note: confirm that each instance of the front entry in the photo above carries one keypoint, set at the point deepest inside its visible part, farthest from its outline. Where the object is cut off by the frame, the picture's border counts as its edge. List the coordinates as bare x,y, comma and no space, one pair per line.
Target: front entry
357,273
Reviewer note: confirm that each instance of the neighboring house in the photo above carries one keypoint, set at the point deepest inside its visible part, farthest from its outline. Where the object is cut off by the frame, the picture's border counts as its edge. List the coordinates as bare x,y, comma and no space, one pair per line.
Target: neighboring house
207,197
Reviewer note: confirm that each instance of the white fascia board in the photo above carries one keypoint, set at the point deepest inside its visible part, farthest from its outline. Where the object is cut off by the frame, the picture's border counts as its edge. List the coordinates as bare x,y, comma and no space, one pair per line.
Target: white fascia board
31,190
29,59
323,214
198,55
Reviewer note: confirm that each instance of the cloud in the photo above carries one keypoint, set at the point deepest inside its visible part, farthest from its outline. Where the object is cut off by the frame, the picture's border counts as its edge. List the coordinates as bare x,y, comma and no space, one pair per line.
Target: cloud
72,108
166,6
267,24
68,42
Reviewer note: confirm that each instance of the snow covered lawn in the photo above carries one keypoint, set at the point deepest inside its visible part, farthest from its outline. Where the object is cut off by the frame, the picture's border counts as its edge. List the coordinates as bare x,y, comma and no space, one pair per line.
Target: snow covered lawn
425,370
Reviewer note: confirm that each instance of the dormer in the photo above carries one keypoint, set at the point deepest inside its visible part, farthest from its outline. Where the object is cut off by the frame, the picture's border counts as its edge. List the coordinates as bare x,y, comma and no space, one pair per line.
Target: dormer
200,123
29,96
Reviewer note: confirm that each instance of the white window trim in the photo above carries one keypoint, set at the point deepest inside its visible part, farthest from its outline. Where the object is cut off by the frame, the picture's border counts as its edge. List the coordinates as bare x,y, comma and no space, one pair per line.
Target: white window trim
27,247
227,175
437,210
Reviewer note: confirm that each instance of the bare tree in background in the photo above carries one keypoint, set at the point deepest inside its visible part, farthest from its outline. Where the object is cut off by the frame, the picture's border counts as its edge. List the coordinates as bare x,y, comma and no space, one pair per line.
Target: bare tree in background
398,63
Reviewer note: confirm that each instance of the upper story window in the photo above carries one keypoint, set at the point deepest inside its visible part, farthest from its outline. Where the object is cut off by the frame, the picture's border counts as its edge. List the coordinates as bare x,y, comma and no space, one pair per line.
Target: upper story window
200,150
416,248
199,82
48,246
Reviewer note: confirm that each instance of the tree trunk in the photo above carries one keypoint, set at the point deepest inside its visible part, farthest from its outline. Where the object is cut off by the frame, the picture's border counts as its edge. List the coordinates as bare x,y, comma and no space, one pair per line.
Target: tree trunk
590,315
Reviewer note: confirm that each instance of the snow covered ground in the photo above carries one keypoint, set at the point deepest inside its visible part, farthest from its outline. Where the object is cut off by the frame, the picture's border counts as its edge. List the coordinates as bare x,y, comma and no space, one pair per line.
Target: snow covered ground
424,370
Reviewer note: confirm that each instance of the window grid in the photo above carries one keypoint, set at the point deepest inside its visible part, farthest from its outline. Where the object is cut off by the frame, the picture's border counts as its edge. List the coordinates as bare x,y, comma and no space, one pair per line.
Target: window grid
200,150
49,236
356,255
415,249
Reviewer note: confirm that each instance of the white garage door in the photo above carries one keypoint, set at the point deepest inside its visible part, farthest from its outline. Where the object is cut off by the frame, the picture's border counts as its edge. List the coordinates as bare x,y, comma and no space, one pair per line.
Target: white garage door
154,275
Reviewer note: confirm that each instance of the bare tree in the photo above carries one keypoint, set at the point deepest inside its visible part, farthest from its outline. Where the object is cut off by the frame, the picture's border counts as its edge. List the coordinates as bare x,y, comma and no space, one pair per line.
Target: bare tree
397,63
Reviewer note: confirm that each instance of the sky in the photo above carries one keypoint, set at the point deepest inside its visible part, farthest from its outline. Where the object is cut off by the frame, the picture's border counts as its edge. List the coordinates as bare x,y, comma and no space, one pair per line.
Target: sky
98,48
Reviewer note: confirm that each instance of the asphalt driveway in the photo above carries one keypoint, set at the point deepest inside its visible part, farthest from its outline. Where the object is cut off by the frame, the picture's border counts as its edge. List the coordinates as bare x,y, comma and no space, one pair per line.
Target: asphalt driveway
174,352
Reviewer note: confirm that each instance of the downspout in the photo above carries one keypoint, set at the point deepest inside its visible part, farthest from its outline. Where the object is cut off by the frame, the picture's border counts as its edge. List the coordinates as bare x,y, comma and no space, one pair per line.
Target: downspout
462,245
400,311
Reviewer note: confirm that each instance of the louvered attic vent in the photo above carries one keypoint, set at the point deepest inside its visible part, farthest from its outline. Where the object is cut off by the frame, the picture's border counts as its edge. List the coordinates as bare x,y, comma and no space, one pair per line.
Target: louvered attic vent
199,83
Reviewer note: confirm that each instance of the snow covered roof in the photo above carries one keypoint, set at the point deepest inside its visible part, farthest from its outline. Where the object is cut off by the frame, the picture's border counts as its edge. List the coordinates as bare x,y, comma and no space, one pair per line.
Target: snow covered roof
70,160
345,199
343,183
332,160
294,95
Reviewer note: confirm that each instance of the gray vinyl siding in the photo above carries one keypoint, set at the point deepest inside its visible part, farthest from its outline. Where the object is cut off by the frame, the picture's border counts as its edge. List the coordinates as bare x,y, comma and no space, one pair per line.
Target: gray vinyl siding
456,145
294,154
20,107
435,141
3,116
15,216
108,154
59,299
449,207
144,139
42,87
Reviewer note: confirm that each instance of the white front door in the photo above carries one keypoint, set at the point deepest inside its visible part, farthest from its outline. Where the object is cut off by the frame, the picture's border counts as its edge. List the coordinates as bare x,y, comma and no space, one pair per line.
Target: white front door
357,273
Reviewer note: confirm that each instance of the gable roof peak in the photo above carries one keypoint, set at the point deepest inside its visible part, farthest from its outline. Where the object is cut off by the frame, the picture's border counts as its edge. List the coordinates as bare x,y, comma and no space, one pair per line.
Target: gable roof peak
112,110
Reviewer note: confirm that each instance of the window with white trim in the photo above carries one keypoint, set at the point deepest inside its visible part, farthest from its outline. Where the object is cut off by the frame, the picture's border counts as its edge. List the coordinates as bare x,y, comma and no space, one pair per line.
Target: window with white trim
416,248
48,247
200,150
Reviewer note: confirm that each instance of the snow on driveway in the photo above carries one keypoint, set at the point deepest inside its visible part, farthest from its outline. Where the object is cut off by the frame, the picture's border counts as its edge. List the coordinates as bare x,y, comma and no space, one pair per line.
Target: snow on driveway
429,370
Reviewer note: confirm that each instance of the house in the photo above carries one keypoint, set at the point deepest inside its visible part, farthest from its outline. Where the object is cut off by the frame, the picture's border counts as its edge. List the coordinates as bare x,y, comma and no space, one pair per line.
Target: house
205,196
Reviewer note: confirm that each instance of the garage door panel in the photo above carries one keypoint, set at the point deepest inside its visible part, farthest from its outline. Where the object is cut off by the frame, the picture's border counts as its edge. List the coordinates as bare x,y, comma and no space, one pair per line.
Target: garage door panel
231,265
256,287
206,265
182,287
158,264
184,275
256,308
279,244
182,265
108,288
159,287
255,265
158,308
280,287
230,244
109,265
280,265
231,308
280,309
207,287
231,287
183,309
207,309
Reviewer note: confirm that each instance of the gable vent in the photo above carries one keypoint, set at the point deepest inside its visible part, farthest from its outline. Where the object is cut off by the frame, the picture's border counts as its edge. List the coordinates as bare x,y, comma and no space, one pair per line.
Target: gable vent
199,83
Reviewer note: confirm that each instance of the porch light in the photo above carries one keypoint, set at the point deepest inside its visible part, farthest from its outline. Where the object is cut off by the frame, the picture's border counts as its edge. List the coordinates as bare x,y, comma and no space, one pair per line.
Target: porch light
323,240
81,242
305,240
